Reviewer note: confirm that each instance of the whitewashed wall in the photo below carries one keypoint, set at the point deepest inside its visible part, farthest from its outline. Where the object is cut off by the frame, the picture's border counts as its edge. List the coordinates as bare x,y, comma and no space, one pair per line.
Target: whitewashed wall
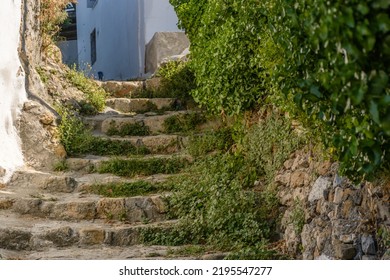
116,24
123,27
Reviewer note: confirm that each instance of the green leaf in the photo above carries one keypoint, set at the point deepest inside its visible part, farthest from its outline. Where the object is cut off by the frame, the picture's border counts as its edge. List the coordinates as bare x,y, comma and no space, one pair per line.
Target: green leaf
374,111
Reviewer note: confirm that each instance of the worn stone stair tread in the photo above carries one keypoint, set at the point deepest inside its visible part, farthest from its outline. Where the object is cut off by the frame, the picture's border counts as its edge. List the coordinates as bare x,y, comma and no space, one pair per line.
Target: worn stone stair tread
128,105
105,122
167,143
24,233
99,252
89,162
84,206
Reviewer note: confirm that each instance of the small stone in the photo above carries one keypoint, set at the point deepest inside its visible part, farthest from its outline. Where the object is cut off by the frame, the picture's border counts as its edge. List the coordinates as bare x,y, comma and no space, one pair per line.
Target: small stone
46,119
111,208
368,245
348,238
283,179
64,184
216,256
317,191
288,164
345,251
299,179
338,195
337,181
92,236
346,208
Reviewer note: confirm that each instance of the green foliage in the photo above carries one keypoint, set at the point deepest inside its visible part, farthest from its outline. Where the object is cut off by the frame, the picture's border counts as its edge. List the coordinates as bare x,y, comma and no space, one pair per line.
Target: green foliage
72,132
133,129
214,206
176,81
128,189
330,58
269,143
146,167
335,64
202,144
183,122
61,166
297,217
225,40
77,139
42,74
95,95
215,200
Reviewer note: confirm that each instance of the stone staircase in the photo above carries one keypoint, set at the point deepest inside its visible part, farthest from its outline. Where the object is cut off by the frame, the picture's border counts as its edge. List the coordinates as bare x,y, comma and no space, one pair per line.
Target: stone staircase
53,215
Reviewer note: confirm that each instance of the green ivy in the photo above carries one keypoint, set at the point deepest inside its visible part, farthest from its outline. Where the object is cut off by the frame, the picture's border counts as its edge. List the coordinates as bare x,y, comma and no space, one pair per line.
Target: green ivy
330,59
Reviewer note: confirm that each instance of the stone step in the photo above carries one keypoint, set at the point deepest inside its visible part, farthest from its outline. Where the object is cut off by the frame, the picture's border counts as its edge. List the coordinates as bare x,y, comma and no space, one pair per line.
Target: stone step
140,105
83,206
96,252
91,163
156,144
32,180
22,233
103,123
131,89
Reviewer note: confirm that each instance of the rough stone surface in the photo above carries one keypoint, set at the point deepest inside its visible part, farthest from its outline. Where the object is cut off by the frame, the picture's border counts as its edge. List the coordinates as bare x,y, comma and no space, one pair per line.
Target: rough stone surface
317,191
126,105
338,215
162,46
368,245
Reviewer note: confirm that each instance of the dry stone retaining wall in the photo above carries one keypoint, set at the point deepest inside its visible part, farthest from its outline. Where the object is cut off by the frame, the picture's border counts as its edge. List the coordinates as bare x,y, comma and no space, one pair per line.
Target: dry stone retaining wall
325,216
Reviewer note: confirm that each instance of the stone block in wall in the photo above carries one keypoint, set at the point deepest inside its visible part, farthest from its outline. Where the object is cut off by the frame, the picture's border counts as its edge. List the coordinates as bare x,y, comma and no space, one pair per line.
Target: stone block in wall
164,45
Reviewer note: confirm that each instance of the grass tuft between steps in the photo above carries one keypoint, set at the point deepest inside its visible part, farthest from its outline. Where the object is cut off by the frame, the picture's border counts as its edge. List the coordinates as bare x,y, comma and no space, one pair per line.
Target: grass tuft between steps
145,167
129,189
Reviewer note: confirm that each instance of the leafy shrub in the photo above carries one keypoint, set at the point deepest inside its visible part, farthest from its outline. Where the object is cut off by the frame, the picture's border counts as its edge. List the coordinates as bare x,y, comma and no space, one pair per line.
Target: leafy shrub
183,123
72,132
202,144
269,143
176,81
331,58
340,75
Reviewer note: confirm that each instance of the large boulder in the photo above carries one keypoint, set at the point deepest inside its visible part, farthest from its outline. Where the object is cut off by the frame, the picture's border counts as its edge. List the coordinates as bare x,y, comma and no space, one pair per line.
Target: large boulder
162,46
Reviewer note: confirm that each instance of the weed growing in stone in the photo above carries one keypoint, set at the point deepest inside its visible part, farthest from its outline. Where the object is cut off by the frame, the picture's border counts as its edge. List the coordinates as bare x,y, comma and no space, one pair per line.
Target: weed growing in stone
95,95
145,167
183,123
129,189
129,129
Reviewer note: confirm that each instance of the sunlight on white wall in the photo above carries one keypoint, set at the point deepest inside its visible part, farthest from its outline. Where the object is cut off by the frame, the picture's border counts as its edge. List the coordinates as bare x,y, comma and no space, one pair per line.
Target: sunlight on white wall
12,90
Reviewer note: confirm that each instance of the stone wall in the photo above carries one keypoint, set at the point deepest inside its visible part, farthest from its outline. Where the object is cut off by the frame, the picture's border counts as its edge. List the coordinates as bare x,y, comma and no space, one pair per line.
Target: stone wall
37,127
325,216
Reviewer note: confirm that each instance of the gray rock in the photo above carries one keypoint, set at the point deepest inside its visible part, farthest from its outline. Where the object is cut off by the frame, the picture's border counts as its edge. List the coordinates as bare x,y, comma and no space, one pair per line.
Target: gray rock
368,245
14,239
337,181
345,251
338,195
163,45
317,191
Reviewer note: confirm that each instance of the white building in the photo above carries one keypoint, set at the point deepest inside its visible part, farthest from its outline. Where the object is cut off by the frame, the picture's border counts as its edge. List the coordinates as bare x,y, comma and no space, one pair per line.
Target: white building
112,34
